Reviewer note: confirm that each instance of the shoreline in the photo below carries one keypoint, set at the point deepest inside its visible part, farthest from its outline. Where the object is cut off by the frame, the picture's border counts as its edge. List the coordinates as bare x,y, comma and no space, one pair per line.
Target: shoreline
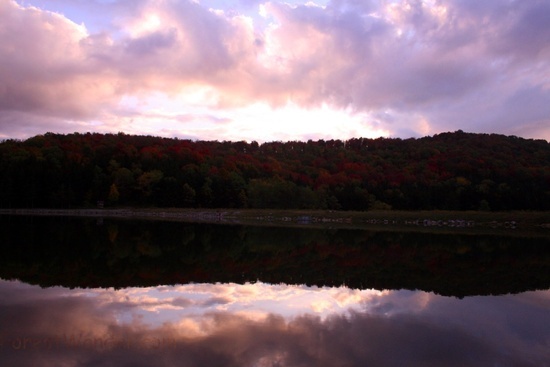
432,220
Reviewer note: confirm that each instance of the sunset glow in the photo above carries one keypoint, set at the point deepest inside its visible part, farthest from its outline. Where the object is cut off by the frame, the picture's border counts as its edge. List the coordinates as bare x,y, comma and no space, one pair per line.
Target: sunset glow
273,70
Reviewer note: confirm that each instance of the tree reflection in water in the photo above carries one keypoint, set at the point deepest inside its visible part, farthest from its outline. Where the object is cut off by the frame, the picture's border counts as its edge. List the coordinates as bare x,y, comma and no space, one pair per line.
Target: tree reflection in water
76,252
266,296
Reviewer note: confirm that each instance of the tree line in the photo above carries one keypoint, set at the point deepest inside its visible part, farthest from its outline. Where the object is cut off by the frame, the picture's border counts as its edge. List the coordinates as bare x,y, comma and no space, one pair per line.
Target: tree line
448,171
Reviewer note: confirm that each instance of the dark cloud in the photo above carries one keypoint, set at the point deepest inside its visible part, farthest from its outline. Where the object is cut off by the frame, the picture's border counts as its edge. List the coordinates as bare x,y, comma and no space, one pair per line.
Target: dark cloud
215,301
22,124
530,34
181,302
152,43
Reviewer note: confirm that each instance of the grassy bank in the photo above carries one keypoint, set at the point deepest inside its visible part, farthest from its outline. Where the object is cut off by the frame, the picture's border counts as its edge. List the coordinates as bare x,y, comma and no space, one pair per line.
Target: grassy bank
425,220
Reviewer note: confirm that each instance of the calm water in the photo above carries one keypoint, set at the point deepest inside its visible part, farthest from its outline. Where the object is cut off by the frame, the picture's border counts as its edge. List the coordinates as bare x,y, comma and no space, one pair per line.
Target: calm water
83,292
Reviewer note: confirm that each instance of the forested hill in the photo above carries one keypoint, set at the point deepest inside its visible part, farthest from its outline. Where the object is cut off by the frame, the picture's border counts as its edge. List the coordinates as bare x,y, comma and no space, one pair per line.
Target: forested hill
454,171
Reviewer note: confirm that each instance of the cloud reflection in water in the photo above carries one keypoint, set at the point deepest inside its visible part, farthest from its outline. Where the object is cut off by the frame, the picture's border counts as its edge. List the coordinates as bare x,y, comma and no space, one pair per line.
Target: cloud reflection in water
268,325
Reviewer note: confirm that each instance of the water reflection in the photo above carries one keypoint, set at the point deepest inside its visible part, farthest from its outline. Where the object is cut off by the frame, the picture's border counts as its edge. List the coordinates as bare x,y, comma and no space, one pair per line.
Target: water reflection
268,325
215,316
77,252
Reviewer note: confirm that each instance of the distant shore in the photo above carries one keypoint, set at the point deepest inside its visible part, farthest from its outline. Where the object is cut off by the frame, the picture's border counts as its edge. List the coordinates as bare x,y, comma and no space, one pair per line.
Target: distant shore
457,220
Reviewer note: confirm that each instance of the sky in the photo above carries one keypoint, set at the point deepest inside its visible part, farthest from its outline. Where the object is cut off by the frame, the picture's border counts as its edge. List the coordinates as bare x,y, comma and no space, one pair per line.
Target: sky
265,325
275,70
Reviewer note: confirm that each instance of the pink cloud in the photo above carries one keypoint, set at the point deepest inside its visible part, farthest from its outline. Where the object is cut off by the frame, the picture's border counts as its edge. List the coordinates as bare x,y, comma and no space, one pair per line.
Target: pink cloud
418,58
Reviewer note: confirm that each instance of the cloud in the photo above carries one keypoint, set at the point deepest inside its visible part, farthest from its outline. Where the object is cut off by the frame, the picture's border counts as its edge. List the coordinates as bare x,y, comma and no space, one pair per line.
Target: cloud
45,69
449,64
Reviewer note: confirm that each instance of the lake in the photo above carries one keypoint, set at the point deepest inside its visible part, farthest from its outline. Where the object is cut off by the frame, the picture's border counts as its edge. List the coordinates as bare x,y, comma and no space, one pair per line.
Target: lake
107,291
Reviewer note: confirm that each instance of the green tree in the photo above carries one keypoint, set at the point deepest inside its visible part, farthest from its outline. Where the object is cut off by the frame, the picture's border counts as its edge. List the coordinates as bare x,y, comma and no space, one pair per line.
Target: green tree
114,195
189,195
